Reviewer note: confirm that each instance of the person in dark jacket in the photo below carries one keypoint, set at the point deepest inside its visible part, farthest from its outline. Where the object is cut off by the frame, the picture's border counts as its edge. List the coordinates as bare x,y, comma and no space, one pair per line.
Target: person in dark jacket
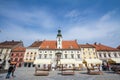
9,71
14,67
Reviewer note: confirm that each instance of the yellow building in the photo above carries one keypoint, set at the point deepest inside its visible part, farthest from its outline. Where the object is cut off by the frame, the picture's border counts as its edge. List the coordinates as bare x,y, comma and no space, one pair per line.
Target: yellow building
89,55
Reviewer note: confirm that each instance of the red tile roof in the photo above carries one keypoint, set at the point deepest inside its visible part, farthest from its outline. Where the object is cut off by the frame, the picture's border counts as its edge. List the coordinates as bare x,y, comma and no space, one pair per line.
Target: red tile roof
36,44
101,47
118,47
86,46
19,49
52,44
9,44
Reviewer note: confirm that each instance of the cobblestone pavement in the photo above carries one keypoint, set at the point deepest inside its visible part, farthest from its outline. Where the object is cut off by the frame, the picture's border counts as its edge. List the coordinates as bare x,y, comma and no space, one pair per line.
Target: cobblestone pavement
28,74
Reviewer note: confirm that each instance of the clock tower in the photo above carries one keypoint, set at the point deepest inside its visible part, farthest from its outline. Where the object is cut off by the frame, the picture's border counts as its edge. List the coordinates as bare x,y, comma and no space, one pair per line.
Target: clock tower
59,40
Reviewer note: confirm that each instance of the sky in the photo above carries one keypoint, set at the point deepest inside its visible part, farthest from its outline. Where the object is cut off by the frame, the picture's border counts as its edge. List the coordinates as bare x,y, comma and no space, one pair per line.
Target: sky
87,21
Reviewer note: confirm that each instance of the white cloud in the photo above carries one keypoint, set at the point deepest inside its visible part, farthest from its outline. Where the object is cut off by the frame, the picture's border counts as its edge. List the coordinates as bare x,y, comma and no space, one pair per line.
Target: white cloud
72,14
100,29
108,15
37,17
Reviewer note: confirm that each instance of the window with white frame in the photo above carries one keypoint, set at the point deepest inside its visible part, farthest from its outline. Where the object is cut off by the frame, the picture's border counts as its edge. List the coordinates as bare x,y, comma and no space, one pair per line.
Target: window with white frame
109,55
65,56
39,56
45,55
78,55
115,54
50,55
100,55
72,56
104,55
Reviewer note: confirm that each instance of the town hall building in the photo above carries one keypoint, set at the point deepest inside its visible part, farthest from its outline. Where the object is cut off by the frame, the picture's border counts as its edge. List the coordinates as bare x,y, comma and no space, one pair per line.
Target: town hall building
59,51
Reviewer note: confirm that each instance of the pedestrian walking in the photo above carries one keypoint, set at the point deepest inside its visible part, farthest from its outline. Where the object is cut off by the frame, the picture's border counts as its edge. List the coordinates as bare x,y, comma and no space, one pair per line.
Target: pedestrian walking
9,71
14,68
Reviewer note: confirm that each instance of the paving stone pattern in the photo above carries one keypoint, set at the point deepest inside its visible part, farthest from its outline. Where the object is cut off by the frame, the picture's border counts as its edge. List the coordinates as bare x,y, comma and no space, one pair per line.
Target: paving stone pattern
28,74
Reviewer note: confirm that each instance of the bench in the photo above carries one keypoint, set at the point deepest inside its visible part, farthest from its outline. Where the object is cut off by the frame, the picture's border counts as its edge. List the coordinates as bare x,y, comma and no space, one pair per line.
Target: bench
67,72
41,73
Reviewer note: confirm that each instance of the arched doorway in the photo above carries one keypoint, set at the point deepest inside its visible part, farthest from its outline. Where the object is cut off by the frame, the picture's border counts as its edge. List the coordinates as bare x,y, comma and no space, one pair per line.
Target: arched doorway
58,57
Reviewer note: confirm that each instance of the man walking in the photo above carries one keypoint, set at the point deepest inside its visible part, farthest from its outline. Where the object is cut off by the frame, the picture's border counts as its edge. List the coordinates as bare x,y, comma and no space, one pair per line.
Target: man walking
9,71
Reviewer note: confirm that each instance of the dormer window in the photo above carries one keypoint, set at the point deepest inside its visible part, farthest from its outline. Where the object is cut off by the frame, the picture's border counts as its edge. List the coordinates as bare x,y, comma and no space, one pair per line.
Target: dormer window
47,47
71,47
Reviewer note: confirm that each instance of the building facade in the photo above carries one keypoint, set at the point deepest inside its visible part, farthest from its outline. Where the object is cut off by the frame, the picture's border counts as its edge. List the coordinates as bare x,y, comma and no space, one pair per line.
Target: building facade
17,55
59,51
5,50
89,55
31,54
105,52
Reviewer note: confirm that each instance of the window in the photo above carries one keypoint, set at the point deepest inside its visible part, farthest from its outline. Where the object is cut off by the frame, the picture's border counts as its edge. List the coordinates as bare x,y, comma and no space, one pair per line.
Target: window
31,53
115,54
45,55
77,51
100,55
71,51
65,51
40,56
89,57
65,55
16,59
72,56
17,54
50,55
104,55
34,58
109,55
12,54
21,60
78,56
45,51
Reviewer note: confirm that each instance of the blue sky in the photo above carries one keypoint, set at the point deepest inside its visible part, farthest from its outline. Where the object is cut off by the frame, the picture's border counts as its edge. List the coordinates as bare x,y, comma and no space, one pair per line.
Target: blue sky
88,21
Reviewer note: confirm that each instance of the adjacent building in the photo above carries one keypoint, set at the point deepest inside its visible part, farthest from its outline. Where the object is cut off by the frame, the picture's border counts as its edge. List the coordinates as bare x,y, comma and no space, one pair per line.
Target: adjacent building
31,54
105,53
5,50
17,56
89,55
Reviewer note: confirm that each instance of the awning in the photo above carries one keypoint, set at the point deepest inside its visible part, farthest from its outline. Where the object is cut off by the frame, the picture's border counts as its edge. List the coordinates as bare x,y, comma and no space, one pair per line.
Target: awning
42,61
67,61
78,62
92,61
114,60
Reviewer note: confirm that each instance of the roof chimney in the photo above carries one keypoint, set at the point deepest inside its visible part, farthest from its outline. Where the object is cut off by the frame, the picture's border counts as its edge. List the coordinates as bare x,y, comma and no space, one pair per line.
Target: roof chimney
95,43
